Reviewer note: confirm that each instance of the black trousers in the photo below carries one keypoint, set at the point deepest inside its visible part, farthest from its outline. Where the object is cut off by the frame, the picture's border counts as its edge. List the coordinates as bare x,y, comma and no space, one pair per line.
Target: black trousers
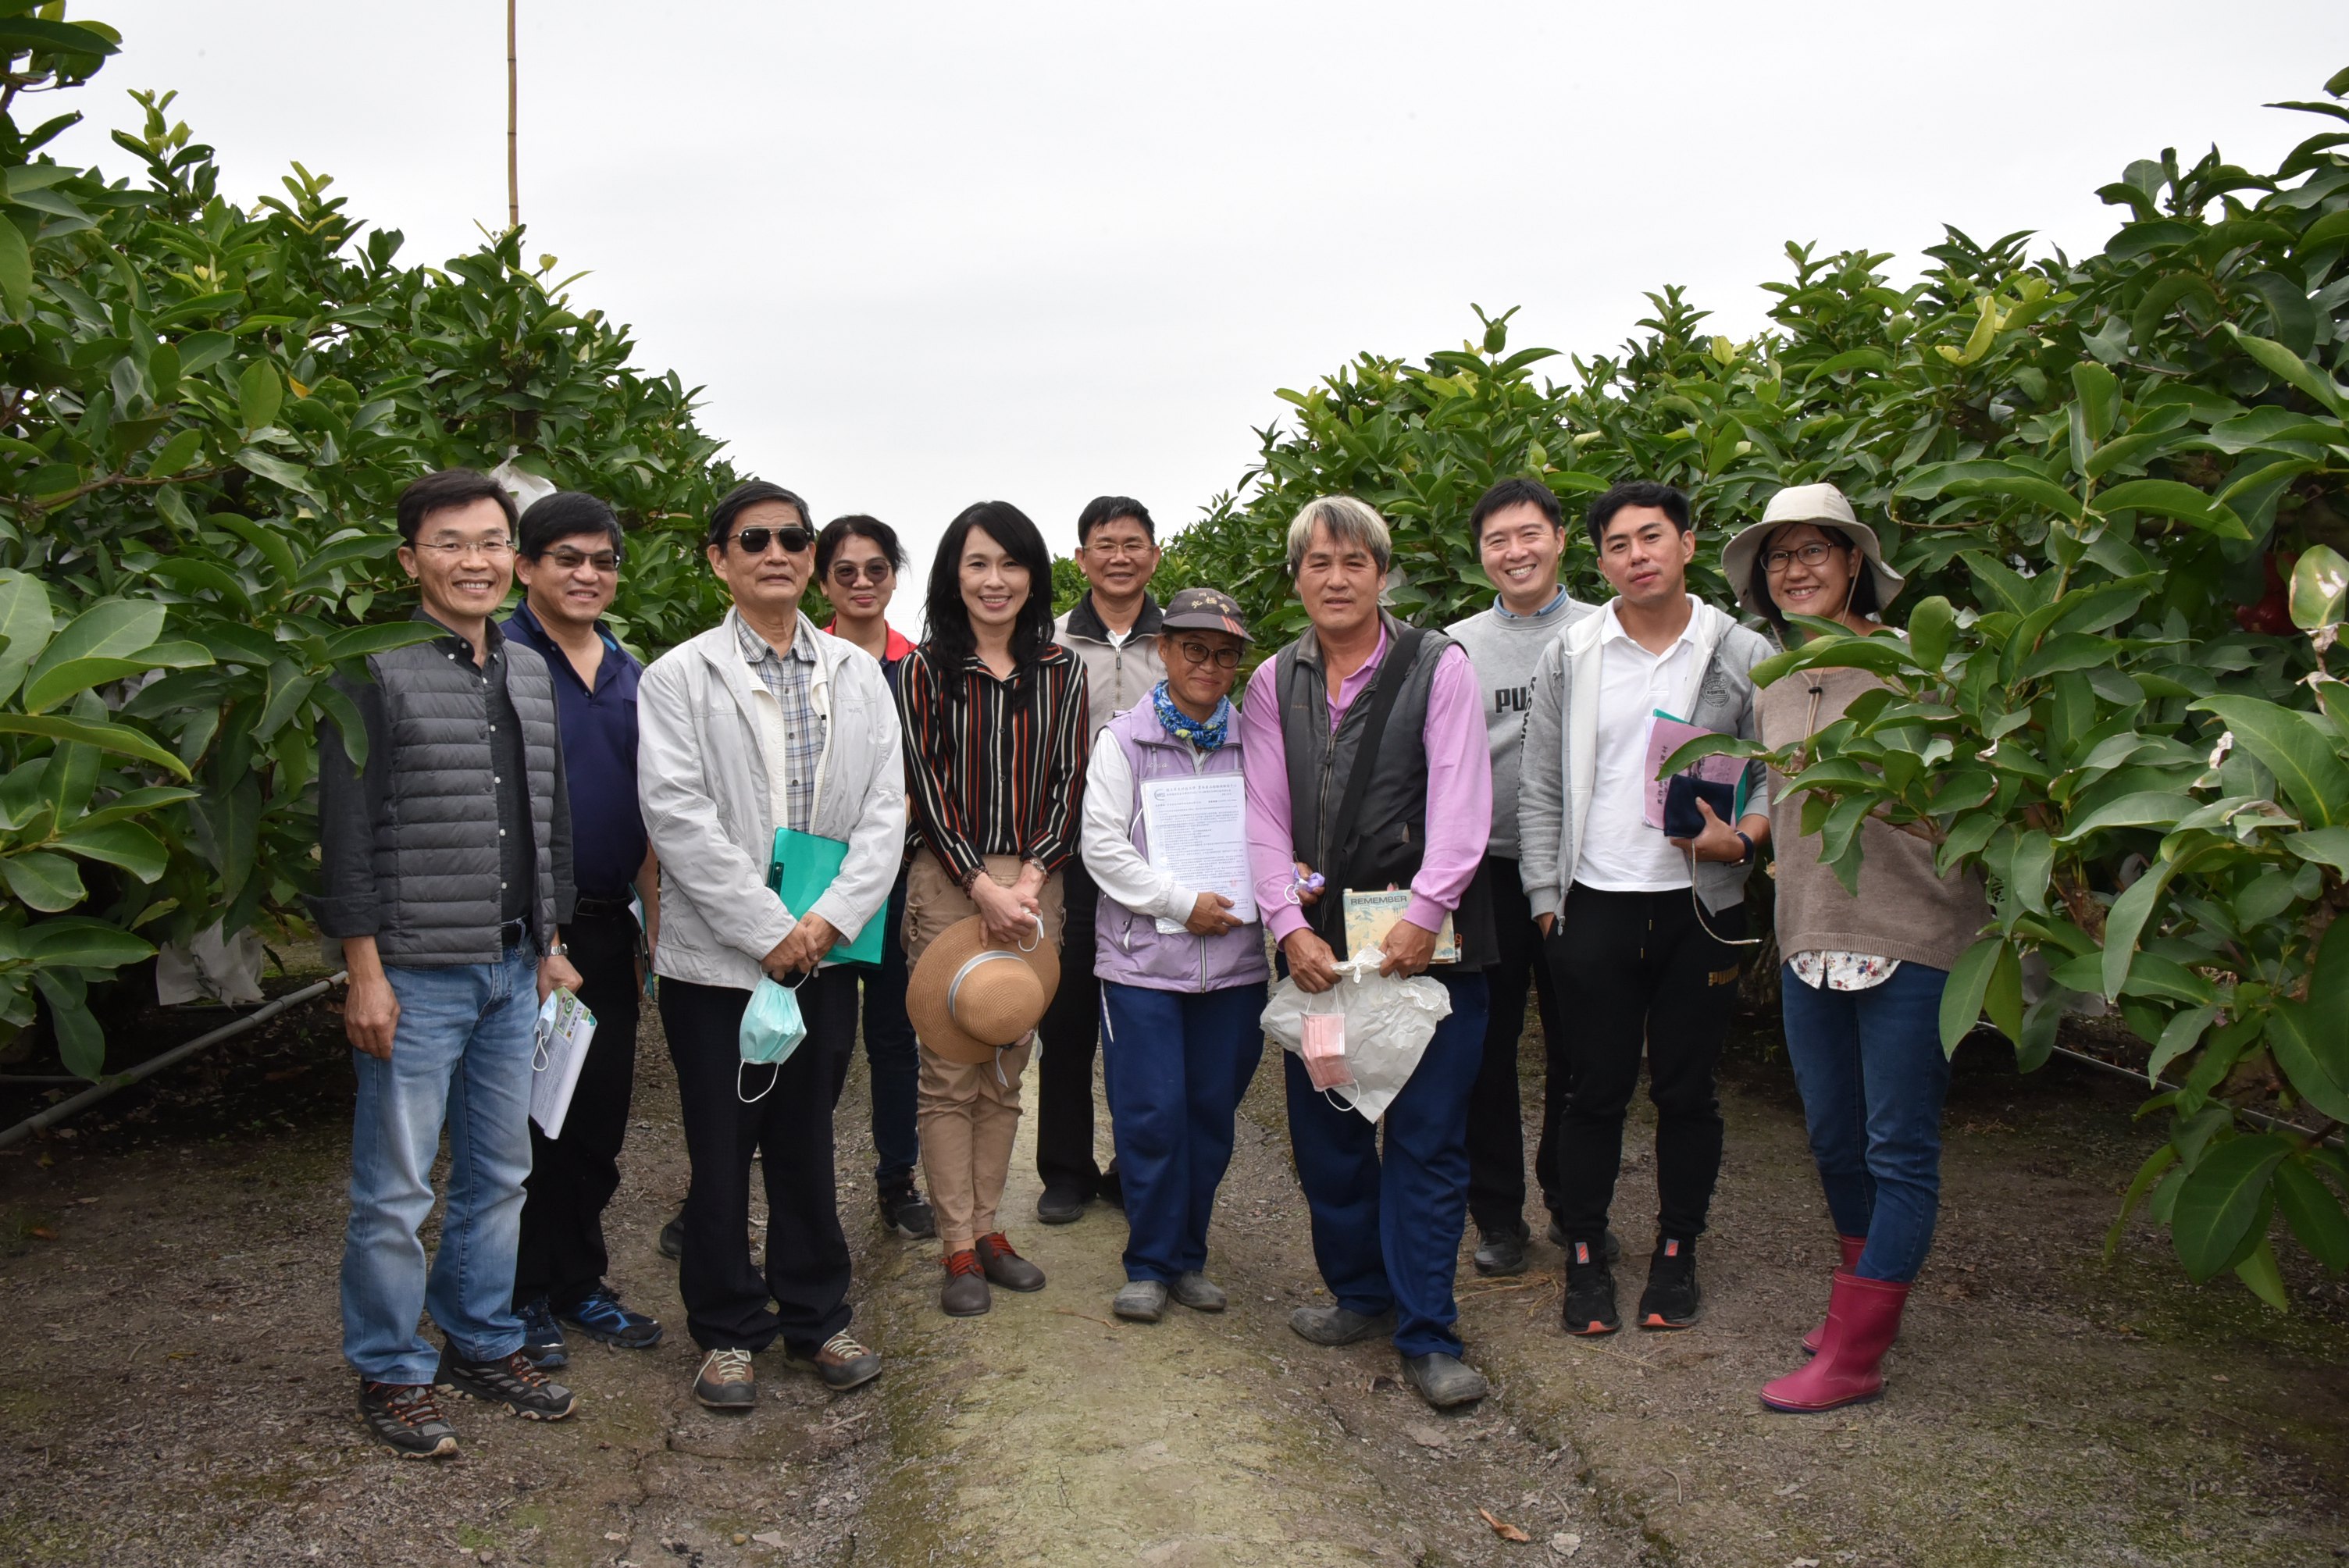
1496,1144
726,1301
572,1178
1068,1040
1637,970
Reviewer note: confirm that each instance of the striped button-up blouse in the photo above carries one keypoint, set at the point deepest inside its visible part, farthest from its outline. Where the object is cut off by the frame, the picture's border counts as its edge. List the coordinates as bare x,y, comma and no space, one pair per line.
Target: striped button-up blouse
993,767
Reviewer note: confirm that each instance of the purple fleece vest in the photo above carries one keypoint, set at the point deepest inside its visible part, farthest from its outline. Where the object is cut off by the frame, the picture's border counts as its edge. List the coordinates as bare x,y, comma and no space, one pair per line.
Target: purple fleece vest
1129,948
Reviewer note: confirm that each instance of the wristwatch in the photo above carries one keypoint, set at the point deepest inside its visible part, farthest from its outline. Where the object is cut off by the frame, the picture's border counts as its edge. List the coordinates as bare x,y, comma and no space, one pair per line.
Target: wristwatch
558,950
1743,838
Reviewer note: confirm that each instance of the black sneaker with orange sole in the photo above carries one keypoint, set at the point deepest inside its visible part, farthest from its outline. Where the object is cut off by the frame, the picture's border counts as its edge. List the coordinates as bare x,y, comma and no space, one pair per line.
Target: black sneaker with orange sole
510,1380
1673,1299
1590,1291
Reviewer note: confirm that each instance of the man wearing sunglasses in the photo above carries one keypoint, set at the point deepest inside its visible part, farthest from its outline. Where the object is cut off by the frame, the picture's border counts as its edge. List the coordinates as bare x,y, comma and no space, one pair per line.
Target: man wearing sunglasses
569,564
760,725
1113,631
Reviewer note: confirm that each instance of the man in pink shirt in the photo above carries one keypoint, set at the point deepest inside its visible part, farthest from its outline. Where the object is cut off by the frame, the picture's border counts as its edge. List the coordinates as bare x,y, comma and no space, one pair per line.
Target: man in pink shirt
1367,767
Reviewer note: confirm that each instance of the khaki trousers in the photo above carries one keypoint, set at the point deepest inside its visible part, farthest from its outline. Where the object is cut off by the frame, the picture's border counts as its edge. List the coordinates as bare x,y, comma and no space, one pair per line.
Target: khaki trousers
968,1114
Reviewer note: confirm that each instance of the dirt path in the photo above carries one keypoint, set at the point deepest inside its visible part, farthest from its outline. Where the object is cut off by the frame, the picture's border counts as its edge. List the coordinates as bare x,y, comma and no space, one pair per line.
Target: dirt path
171,1391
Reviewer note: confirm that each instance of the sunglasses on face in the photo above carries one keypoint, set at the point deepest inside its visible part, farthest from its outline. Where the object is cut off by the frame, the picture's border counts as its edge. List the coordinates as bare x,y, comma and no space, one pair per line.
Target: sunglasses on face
566,559
791,536
873,571
1200,654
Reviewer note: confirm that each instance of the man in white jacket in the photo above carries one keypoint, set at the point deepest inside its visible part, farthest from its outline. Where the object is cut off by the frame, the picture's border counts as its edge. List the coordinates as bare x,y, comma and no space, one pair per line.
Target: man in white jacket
1643,934
760,723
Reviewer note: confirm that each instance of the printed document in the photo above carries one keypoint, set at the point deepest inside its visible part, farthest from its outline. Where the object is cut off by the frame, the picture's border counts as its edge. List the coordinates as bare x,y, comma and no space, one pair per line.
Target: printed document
1197,834
560,1050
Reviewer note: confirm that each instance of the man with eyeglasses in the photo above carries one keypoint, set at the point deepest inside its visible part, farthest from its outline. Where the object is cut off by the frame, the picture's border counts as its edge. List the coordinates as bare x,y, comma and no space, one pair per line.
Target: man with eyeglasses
569,565
445,876
1113,631
761,734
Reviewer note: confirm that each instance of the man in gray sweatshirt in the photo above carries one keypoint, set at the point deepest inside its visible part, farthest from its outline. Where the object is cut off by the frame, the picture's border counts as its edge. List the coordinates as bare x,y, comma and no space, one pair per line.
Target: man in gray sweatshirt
1521,540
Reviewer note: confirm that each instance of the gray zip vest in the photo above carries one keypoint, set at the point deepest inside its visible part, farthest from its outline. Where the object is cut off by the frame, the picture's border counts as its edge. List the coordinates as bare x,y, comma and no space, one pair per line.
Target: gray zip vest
1390,835
436,848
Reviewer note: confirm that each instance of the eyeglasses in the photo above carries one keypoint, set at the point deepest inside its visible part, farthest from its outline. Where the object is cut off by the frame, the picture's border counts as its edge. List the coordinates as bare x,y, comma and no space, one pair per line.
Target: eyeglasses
1811,554
791,536
1200,654
1112,550
876,573
458,549
566,559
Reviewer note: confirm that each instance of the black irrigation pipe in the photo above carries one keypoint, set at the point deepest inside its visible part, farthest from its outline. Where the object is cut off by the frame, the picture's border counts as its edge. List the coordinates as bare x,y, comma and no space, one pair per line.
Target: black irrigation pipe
2262,1117
41,1121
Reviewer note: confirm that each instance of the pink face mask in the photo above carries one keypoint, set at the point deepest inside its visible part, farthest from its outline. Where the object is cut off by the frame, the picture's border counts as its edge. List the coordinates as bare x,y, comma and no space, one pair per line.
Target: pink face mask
1323,1047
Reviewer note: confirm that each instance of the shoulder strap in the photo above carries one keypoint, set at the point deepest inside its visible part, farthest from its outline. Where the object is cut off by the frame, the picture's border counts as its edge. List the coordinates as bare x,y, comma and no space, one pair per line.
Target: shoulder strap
1383,692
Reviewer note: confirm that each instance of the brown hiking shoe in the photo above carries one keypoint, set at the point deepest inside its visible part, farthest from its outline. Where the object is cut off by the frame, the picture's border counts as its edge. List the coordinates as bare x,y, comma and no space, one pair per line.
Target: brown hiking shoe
966,1295
842,1363
1005,1267
510,1380
407,1418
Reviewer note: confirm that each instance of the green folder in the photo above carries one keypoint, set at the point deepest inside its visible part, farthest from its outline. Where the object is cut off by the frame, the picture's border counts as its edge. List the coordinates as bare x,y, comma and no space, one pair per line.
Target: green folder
801,867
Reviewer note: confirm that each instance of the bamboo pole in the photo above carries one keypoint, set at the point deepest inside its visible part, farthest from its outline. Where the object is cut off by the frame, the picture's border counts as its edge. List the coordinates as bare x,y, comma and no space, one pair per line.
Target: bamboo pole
514,115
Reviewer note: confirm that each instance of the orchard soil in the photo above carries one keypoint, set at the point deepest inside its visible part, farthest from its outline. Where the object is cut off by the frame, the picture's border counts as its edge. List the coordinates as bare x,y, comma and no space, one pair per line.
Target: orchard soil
171,1391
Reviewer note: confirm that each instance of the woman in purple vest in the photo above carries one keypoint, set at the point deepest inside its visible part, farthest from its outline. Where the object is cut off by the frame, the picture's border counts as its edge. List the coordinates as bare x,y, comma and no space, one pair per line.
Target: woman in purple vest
1182,980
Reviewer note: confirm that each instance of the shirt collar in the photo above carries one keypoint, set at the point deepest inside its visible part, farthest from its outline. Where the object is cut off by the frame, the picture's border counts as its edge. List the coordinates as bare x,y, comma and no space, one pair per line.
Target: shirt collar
493,636
756,647
534,630
1508,615
1614,631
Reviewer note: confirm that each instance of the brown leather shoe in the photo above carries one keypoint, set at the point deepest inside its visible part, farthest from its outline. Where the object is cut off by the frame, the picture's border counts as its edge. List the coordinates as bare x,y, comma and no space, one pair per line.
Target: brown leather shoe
1005,1267
966,1295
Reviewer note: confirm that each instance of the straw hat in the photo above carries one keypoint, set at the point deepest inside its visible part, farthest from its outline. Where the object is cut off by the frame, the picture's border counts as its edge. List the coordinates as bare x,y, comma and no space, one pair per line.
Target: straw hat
1822,504
969,997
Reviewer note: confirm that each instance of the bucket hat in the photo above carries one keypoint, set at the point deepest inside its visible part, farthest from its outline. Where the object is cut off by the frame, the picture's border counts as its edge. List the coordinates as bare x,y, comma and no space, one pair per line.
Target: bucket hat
1822,504
969,997
1204,610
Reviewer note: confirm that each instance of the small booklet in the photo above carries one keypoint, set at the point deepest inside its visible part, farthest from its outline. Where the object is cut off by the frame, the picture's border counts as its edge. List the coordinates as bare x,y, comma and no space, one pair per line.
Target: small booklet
559,1050
1720,778
1369,915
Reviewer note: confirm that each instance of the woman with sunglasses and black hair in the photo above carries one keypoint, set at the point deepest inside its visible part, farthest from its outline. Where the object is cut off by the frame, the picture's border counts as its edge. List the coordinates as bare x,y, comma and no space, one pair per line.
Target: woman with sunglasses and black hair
1863,973
994,720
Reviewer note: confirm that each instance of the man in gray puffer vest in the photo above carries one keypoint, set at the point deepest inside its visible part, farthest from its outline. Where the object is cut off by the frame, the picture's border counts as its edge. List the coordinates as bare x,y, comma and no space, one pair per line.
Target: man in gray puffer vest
445,874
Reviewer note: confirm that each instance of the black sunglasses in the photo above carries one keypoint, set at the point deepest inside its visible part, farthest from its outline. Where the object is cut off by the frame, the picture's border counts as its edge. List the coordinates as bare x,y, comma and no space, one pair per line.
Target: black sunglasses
792,537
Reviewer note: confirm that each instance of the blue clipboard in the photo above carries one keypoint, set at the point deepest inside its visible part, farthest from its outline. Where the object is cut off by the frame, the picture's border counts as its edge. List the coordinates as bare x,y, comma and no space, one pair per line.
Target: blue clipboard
800,867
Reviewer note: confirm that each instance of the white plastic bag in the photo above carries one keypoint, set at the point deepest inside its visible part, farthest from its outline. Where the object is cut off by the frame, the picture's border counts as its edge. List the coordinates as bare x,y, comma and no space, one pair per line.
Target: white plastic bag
1388,1021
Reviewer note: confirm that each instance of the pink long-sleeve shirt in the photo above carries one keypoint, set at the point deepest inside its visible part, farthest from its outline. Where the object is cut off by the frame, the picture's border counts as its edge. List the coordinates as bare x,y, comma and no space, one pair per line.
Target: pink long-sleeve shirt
1459,789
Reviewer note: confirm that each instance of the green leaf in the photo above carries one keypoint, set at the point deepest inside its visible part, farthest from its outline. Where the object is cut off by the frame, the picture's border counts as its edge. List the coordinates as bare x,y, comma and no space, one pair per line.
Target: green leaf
124,844
109,629
1931,625
2307,765
2258,1271
2125,919
2179,1036
1968,982
43,881
78,942
2003,996
2325,846
2223,1196
41,37
2099,395
2145,808
2313,1214
81,1044
2072,651
51,686
2156,1163
177,454
27,622
382,637
258,393
2313,1049
120,740
2320,581
2167,498
2292,370
15,267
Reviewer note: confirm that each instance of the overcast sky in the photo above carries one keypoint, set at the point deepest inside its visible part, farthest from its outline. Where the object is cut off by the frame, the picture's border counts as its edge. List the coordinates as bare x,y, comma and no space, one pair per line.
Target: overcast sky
921,254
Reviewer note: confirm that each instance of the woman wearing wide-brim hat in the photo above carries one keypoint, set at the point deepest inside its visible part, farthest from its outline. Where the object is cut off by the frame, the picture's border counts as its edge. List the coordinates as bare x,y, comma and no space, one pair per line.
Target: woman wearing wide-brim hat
1182,975
994,715
1863,973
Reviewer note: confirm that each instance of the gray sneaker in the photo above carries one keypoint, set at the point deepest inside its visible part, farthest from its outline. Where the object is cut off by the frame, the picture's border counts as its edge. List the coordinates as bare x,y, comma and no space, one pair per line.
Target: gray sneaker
1339,1325
1142,1301
1197,1292
1443,1380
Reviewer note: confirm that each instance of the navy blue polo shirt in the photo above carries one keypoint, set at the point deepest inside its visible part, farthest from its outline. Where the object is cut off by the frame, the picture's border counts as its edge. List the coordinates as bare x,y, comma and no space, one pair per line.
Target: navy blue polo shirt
599,758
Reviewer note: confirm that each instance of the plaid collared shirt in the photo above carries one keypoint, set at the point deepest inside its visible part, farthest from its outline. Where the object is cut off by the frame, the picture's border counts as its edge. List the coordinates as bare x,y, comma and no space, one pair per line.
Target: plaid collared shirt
791,680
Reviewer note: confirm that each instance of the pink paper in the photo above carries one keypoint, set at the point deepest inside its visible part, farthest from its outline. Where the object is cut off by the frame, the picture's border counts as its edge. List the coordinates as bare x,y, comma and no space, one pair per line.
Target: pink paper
1322,1044
1666,735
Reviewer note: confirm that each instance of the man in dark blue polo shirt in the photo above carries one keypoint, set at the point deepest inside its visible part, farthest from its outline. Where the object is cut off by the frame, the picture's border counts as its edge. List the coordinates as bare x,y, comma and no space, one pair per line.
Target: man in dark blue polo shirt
569,563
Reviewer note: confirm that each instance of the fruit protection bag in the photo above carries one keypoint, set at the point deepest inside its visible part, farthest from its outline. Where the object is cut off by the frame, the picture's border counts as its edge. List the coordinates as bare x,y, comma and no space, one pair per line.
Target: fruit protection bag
1386,1022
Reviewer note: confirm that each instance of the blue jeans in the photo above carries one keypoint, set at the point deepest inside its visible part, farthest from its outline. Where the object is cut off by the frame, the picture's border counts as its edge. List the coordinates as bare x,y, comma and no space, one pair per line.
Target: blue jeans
461,1054
1174,1065
1386,1228
1873,1077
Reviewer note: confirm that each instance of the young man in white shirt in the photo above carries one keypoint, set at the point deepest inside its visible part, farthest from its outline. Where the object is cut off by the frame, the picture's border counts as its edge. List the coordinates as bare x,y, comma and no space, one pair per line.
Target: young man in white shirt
1642,933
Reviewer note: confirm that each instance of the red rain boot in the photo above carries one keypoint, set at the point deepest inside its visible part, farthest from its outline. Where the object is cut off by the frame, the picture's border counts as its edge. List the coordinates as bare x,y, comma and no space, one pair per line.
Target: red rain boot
1852,1247
1863,1318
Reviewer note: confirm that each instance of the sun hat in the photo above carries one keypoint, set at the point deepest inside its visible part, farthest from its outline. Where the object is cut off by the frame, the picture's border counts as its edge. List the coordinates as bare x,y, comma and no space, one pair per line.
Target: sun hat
1204,610
969,997
1822,504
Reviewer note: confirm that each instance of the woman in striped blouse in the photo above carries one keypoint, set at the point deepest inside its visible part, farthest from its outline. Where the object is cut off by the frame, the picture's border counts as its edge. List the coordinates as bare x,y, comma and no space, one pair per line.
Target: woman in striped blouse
994,720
